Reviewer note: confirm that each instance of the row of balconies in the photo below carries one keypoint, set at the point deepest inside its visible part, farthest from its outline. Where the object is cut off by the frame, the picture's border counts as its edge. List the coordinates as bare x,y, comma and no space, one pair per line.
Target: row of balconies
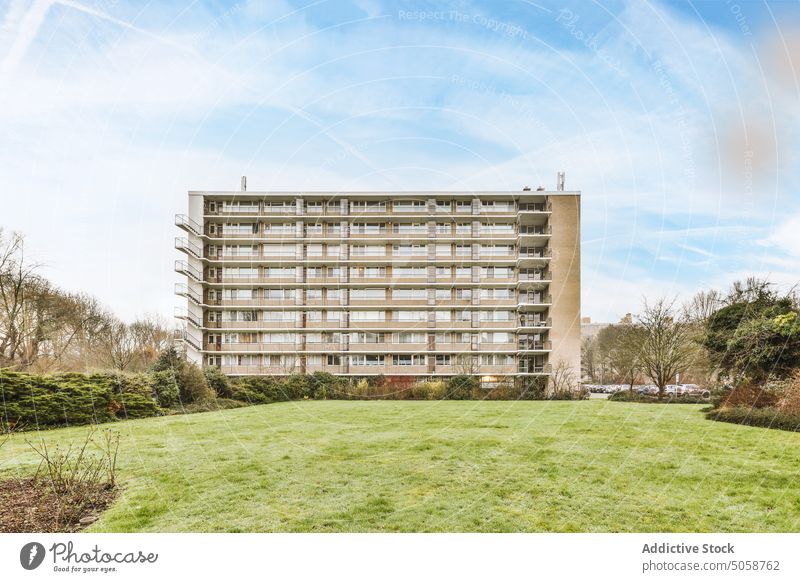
273,348
378,325
257,230
344,207
522,299
385,369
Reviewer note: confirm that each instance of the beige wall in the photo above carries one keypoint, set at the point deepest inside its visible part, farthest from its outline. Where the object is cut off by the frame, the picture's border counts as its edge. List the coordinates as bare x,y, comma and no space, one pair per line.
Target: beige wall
566,287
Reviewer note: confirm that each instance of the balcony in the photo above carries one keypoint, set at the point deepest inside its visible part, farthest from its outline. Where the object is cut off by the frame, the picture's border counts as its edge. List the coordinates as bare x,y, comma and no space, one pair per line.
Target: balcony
187,246
539,369
535,253
535,230
188,224
536,207
185,268
535,275
534,345
534,322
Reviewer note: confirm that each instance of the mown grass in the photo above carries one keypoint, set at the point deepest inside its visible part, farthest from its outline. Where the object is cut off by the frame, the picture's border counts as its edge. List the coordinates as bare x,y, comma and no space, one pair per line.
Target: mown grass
446,466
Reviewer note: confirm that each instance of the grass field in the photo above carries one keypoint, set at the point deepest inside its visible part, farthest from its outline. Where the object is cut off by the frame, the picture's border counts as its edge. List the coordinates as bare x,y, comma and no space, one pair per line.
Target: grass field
446,466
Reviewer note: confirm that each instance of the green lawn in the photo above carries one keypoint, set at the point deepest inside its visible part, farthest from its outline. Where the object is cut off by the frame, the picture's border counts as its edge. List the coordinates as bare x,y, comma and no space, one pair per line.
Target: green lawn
446,466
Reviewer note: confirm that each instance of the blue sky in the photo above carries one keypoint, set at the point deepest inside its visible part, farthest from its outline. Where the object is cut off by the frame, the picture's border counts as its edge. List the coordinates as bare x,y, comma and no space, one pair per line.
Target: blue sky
678,121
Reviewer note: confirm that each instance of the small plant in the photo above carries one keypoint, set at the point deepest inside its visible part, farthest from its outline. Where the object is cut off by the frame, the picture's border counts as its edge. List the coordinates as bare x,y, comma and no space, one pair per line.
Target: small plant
79,478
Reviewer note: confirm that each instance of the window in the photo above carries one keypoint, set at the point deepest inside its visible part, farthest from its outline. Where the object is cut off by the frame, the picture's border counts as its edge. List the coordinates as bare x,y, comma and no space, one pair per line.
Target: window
444,338
495,337
442,359
364,206
408,271
443,294
334,271
284,272
444,228
237,294
280,315
278,338
408,360
495,316
314,360
367,316
314,272
463,316
411,315
334,250
279,250
240,315
463,250
314,250
443,271
314,207
463,271
334,360
496,272
416,228
367,338
286,228
464,228
443,316
464,293
239,206
409,338
334,294
443,206
332,337
409,294
314,338
368,294
334,316
367,228
463,205
367,360
443,250
368,272
279,293
368,251
314,294
239,272
410,250
313,229
240,251
240,228
496,250
313,316
496,294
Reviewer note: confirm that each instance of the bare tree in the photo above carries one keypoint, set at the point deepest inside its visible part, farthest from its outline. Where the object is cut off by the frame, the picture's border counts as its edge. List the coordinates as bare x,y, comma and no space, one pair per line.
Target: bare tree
668,346
563,378
626,353
466,364
118,344
700,307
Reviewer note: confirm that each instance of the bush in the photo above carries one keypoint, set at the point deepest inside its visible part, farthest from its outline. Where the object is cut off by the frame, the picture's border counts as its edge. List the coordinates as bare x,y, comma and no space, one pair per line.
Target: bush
192,383
218,382
462,387
763,417
628,396
749,395
31,401
789,402
165,388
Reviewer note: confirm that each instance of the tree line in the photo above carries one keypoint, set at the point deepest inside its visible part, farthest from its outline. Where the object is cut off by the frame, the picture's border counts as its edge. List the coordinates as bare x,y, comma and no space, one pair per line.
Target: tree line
751,333
45,329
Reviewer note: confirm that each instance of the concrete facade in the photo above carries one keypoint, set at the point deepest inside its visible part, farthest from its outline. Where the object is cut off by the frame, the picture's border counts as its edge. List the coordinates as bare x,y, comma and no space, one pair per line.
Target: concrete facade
422,284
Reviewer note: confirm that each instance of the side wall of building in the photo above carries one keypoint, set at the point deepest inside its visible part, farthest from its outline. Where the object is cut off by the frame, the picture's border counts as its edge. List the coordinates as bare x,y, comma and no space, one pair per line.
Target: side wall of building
565,289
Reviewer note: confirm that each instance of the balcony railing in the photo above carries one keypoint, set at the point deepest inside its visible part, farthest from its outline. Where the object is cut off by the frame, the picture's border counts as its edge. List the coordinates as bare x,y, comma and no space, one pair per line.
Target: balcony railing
535,230
535,299
523,321
183,336
535,207
534,253
534,276
525,368
534,345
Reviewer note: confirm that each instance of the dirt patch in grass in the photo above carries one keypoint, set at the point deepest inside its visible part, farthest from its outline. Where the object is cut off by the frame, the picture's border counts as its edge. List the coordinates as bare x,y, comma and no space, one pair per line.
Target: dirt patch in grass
31,505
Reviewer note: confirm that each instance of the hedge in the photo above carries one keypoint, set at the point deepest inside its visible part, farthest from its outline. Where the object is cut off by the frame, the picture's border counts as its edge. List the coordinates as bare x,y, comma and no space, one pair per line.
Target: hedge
31,401
761,417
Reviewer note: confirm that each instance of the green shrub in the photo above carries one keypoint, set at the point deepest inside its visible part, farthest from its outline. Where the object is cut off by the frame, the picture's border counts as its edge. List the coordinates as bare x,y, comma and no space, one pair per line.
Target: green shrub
462,387
763,417
627,396
165,388
211,405
218,382
192,383
30,401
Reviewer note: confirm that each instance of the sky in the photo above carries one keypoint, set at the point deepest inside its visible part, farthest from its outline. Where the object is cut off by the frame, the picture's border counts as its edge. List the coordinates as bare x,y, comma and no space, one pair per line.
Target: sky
678,121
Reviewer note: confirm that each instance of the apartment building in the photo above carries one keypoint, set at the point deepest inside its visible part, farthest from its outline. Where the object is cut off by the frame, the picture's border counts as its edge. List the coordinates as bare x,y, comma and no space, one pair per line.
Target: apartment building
417,284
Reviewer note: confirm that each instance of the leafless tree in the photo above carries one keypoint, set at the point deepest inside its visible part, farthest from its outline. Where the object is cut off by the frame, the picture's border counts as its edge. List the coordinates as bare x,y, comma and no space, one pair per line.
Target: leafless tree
668,345
563,378
466,364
